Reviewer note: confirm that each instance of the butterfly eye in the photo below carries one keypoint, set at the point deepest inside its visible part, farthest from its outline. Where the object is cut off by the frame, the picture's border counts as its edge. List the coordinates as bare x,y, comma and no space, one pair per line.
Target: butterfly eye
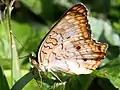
78,47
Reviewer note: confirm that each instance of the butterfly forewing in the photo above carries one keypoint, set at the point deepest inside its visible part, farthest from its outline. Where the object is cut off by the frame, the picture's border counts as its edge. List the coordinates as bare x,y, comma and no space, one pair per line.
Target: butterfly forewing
68,47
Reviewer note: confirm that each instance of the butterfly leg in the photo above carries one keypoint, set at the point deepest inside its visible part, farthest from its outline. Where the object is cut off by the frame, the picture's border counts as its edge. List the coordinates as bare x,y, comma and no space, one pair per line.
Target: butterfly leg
55,75
35,64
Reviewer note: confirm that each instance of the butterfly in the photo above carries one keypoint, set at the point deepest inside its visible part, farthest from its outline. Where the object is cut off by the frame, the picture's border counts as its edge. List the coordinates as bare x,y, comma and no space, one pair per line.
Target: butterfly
68,47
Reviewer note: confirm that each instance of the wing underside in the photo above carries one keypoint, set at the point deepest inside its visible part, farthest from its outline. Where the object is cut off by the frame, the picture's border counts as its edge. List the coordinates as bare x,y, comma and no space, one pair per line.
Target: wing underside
69,44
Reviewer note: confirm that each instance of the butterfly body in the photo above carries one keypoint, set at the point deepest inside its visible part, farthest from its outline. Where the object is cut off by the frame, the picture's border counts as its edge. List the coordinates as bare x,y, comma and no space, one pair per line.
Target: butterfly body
69,47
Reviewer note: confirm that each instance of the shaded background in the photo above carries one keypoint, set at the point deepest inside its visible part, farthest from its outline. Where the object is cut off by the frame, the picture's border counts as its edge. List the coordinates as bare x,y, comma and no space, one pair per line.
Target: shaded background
32,19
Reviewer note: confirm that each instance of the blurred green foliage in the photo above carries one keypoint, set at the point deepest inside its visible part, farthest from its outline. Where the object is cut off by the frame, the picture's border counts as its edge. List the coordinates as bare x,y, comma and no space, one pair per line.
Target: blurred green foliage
32,19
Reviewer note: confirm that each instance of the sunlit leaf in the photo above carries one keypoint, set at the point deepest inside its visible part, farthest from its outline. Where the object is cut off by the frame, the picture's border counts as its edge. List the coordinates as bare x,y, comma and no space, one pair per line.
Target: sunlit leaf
4,41
101,28
110,35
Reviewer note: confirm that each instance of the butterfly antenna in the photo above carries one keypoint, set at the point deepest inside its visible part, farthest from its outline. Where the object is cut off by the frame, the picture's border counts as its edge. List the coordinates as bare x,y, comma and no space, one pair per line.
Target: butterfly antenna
23,56
22,46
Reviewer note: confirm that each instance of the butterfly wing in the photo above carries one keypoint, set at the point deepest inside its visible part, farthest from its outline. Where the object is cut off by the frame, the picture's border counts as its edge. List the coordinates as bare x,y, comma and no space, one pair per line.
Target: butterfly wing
68,47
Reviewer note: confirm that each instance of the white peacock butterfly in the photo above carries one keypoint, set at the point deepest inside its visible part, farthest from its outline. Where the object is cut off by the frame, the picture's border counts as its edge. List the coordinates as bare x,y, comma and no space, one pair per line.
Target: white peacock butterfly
69,47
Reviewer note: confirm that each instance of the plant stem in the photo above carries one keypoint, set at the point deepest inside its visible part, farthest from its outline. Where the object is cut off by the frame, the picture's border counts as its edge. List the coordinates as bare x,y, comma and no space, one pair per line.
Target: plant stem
15,72
10,34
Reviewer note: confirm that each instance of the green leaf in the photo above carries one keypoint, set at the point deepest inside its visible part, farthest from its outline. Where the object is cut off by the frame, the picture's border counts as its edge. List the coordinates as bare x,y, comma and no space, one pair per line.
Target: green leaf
4,42
81,82
111,71
113,52
110,35
117,27
106,84
3,82
22,81
58,86
101,28
34,5
96,27
50,13
6,48
27,39
15,62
